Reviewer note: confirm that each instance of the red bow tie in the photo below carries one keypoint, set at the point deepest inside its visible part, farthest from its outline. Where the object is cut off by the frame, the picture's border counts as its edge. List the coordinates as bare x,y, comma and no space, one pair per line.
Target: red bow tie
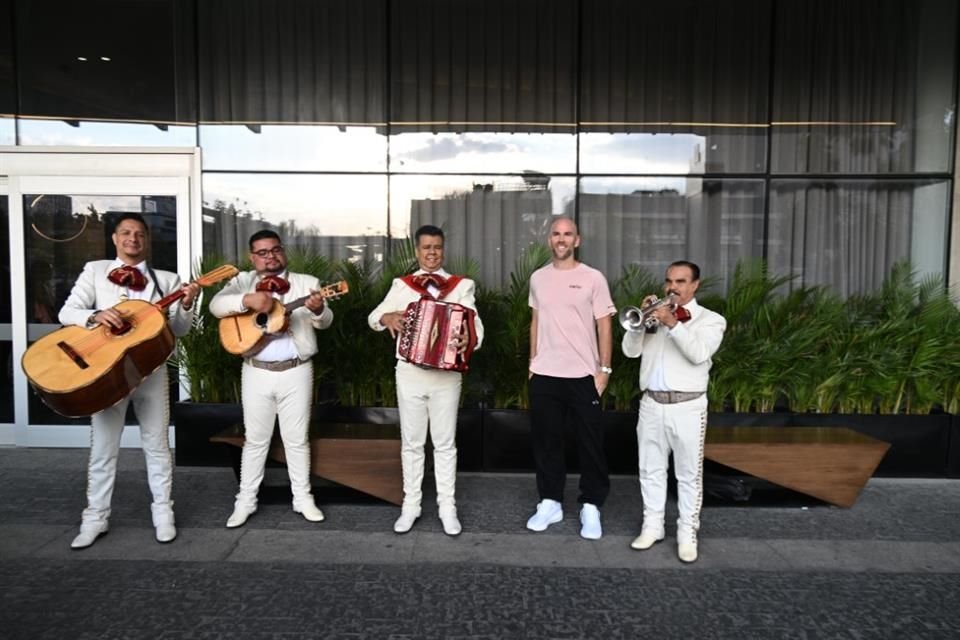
425,279
129,277
682,314
273,284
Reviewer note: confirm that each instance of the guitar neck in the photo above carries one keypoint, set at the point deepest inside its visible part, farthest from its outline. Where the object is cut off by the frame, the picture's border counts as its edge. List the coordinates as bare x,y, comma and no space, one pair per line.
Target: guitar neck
329,291
211,277
290,307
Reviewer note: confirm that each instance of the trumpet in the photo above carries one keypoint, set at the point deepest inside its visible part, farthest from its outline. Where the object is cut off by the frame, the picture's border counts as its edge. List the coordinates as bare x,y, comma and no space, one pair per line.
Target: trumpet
634,319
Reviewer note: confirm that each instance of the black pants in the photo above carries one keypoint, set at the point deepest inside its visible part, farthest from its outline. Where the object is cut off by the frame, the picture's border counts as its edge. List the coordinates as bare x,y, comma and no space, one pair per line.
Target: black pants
555,402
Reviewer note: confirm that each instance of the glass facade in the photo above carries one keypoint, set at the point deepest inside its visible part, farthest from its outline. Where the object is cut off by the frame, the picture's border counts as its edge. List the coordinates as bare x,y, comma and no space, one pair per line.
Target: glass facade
818,135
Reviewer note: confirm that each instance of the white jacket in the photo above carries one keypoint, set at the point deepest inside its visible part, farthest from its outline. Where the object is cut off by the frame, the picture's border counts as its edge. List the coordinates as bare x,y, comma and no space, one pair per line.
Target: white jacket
93,292
229,302
687,349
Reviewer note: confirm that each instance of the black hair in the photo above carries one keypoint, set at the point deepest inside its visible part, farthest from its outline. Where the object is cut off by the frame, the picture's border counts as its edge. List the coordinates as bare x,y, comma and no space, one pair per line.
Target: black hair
427,230
263,234
694,269
130,215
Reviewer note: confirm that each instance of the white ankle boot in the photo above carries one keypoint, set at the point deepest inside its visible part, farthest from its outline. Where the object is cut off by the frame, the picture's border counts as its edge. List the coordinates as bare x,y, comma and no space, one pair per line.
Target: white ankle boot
408,515
308,509
241,513
450,522
89,532
163,521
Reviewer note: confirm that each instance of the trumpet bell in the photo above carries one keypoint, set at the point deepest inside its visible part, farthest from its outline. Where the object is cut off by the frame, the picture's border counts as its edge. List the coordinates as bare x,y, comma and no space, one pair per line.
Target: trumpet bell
631,319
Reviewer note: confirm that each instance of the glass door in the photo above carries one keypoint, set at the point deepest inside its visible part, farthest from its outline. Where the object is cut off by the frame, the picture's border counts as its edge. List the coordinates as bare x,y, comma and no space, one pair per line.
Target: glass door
60,223
6,328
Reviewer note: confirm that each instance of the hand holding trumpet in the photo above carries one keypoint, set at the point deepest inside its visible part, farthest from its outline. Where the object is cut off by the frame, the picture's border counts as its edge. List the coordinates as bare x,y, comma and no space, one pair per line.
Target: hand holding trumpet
653,312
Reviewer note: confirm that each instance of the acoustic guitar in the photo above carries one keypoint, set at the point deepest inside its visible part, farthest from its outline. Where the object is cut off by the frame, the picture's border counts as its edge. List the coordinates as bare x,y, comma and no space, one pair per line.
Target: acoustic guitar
246,333
79,371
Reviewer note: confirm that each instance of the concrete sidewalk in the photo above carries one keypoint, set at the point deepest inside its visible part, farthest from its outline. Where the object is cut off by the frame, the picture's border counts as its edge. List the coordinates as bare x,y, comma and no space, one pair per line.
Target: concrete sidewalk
887,568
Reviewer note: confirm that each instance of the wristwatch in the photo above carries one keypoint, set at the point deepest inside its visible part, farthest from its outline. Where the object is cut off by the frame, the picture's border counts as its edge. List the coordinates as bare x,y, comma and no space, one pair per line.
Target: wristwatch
606,370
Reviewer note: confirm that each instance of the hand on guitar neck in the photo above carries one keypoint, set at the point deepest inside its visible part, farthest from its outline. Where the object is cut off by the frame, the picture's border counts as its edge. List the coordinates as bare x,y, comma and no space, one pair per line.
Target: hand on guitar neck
241,334
118,324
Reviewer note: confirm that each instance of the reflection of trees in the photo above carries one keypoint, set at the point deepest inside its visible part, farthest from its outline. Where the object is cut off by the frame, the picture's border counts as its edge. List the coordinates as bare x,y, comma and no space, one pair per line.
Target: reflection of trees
227,229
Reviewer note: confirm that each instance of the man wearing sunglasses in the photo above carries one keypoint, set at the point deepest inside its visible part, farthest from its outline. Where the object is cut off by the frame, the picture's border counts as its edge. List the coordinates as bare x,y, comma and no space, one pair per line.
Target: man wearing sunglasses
277,374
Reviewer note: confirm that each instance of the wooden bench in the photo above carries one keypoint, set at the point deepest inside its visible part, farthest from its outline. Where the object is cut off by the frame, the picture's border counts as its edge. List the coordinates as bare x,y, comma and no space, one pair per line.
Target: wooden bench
365,457
832,464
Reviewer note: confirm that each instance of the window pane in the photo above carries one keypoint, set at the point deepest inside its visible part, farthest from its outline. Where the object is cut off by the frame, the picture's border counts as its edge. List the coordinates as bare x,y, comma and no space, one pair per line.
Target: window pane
848,234
7,132
4,264
483,152
6,334
124,134
339,216
293,148
109,60
864,86
651,222
490,219
675,87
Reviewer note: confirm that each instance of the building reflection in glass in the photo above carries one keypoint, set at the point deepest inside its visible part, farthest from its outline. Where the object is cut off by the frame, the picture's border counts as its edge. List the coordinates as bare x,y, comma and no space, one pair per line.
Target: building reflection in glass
482,152
487,219
255,147
42,132
338,216
8,132
651,222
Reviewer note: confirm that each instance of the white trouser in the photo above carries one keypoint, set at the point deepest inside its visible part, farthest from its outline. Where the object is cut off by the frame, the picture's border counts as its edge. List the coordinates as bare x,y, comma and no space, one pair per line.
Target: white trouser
267,395
151,404
679,428
428,399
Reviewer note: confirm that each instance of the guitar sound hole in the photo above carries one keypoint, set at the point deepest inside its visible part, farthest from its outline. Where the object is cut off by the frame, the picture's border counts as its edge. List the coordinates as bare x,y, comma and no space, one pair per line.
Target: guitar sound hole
261,320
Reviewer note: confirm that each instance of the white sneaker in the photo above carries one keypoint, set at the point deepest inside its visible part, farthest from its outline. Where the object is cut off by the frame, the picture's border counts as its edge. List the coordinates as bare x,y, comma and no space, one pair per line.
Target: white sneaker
647,538
451,524
89,532
308,510
408,515
239,516
548,512
590,522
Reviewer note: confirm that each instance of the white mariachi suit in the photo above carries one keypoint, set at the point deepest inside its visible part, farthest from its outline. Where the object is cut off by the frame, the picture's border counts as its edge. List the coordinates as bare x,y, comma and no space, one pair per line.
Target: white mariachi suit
427,399
286,394
93,292
677,359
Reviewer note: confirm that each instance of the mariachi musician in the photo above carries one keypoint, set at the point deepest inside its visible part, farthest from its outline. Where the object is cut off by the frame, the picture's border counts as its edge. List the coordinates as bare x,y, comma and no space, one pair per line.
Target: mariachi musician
101,285
277,378
427,396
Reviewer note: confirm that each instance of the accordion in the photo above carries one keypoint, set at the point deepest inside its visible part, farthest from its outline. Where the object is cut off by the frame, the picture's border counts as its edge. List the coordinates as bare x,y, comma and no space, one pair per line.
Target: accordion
430,329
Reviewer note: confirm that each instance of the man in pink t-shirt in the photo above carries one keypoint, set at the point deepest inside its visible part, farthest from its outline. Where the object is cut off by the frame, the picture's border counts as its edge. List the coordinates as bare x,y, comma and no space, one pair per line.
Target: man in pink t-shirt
570,349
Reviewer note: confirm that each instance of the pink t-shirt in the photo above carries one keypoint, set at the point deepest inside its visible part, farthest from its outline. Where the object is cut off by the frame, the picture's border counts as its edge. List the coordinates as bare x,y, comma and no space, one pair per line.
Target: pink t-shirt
568,301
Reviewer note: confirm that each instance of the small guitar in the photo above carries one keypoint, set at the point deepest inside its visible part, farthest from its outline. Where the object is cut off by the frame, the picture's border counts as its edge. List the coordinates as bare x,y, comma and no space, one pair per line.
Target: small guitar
79,371
242,333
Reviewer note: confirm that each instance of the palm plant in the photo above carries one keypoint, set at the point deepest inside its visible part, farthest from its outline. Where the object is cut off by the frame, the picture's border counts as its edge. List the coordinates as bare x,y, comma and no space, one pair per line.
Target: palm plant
209,372
744,373
633,285
506,352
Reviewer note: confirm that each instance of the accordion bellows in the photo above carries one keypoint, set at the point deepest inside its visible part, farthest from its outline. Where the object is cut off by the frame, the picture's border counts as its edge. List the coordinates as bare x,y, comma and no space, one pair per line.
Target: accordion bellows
429,330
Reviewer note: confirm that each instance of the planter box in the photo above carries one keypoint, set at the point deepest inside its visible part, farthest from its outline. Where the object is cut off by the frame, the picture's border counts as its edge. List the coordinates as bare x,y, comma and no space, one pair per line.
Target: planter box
194,424
507,442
